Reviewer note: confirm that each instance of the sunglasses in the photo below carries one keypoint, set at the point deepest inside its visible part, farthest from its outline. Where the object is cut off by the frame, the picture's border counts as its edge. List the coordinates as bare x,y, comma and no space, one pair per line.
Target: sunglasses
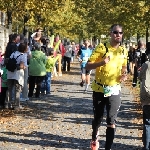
116,32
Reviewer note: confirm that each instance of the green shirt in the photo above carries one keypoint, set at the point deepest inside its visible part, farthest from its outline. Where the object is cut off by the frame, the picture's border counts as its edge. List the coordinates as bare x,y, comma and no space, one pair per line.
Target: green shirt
4,77
50,63
37,64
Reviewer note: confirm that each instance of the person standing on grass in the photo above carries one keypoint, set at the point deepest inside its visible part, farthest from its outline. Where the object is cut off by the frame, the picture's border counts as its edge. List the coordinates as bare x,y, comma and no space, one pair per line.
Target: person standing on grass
110,62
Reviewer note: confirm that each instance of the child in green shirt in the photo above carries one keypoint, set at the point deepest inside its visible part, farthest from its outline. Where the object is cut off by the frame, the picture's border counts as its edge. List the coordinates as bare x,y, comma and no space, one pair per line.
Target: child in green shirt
50,62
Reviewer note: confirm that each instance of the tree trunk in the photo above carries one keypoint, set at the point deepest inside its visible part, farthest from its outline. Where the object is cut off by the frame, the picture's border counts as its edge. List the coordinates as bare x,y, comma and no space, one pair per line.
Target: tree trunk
147,34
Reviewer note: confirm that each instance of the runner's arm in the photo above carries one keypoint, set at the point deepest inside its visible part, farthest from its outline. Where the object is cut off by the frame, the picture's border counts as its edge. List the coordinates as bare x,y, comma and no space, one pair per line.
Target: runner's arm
94,65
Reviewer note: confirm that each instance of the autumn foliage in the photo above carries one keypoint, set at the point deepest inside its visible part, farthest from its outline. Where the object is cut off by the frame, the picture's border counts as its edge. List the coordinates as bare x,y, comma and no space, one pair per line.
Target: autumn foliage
80,18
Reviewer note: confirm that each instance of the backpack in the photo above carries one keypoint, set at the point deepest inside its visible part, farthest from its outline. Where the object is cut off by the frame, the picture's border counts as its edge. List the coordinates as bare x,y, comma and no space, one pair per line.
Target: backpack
12,64
107,50
68,52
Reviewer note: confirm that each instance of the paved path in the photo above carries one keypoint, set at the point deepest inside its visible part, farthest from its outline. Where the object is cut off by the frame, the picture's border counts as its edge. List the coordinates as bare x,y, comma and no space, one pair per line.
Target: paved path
62,121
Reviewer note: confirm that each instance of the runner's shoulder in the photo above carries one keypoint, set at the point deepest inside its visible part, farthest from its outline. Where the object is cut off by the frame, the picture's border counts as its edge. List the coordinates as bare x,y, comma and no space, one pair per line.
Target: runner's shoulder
100,48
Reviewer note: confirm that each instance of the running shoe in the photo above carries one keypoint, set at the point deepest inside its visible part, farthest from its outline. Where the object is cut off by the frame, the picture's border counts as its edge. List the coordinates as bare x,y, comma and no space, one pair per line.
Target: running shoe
81,84
95,144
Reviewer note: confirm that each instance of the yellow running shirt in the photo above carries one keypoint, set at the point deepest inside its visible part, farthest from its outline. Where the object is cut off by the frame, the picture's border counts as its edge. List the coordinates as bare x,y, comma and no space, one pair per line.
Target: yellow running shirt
110,73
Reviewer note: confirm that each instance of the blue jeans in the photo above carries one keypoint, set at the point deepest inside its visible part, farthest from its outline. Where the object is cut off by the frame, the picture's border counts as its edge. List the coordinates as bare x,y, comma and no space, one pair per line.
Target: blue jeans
46,83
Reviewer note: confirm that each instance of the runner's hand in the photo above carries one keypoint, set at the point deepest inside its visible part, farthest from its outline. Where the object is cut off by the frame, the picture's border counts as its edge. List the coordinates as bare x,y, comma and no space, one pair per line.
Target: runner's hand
107,59
123,78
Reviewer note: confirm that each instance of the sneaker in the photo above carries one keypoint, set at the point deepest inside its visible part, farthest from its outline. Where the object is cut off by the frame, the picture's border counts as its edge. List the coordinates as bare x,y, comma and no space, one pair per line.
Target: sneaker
81,84
42,93
85,91
97,135
38,97
24,99
8,106
30,97
94,145
18,107
48,94
134,84
27,99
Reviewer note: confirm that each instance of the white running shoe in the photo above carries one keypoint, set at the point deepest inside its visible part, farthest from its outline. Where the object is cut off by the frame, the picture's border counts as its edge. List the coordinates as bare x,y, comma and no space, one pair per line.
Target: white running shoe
24,99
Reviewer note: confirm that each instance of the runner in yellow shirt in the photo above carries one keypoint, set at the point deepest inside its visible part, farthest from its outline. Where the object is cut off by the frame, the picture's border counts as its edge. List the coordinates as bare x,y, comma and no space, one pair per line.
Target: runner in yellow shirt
110,62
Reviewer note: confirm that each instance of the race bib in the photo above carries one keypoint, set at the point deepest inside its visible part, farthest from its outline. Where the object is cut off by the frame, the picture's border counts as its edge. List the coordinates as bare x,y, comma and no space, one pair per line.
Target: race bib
115,90
107,91
111,90
85,59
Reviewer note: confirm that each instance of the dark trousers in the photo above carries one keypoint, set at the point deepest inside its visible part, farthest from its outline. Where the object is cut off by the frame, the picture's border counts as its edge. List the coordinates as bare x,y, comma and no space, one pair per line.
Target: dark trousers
66,60
46,83
128,66
112,104
146,127
135,76
32,81
3,95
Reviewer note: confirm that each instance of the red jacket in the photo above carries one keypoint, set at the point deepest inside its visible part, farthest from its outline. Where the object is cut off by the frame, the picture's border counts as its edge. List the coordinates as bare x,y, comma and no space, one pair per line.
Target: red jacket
63,50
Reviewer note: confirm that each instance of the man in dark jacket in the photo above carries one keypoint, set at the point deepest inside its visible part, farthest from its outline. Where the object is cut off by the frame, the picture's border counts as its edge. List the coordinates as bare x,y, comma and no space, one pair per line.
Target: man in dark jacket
11,46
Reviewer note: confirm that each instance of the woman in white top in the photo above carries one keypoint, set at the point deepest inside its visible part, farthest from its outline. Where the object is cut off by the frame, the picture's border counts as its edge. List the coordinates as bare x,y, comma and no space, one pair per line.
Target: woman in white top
26,56
16,79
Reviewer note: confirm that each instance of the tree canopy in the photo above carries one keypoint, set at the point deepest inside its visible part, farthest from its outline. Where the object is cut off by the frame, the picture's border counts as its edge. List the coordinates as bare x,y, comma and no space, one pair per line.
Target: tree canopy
79,18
